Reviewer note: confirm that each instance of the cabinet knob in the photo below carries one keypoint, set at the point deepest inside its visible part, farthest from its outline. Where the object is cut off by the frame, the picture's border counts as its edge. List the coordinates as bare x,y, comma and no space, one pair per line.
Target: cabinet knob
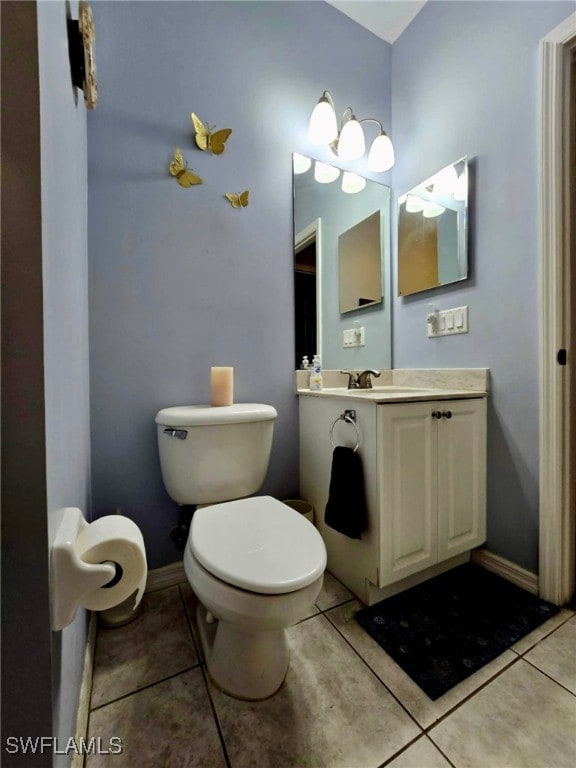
436,414
447,414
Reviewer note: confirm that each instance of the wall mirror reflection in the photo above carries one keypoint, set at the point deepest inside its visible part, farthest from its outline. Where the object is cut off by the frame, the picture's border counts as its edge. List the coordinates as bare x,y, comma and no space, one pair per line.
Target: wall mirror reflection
341,265
433,231
360,265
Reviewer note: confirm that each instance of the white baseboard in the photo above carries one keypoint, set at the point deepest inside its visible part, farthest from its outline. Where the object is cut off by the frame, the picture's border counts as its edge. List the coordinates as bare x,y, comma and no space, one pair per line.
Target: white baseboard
168,576
85,692
506,569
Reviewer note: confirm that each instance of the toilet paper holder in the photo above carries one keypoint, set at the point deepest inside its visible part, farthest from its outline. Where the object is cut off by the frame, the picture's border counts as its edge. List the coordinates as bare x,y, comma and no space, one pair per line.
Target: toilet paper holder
71,577
74,581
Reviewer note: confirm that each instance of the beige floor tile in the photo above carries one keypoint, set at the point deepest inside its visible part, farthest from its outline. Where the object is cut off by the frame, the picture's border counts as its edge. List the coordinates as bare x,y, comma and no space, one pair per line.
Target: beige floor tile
168,725
422,708
421,754
556,655
333,593
521,720
331,712
529,641
154,646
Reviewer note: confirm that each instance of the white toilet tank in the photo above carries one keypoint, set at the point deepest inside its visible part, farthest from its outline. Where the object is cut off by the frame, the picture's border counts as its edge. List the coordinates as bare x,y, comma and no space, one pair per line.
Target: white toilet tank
213,454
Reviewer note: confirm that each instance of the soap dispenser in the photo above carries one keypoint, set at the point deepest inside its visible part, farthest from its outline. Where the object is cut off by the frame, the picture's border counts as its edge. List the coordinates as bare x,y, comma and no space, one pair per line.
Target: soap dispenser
316,374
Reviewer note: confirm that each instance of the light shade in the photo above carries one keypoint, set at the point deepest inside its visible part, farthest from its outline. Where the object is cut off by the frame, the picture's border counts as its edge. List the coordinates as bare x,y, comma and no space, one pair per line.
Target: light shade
445,181
323,126
351,144
381,155
301,163
324,173
414,204
352,183
431,210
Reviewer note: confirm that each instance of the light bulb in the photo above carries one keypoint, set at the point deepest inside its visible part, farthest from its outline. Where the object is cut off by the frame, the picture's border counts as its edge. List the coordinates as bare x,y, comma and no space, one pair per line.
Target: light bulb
301,163
445,181
414,204
351,144
431,210
324,173
352,183
381,156
323,126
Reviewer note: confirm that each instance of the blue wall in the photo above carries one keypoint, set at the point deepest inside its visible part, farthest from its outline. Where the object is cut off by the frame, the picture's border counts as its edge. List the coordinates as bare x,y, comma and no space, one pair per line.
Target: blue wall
179,280
465,81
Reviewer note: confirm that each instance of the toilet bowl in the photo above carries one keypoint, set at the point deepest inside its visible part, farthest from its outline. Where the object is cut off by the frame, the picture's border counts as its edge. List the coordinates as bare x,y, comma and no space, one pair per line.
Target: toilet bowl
256,567
255,564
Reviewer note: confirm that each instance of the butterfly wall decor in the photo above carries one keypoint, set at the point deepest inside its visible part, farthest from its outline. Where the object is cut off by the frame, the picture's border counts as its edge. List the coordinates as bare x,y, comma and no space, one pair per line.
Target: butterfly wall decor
207,138
238,200
179,169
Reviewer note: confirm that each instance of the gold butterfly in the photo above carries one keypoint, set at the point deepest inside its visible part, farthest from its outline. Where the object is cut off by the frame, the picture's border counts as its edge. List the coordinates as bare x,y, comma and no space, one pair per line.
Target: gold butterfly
206,139
179,169
238,201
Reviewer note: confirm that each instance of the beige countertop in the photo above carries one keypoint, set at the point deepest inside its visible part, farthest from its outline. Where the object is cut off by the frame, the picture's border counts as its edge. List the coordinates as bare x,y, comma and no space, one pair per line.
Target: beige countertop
406,385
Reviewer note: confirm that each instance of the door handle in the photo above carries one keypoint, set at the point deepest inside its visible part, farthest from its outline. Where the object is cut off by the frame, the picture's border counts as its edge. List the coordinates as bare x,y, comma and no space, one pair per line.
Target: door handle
447,414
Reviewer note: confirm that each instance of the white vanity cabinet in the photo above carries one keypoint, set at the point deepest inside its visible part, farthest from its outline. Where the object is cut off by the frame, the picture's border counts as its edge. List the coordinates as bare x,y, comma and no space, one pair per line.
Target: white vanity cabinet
431,483
424,466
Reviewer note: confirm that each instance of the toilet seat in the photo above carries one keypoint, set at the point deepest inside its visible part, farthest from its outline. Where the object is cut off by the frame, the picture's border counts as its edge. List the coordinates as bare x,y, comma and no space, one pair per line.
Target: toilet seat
257,544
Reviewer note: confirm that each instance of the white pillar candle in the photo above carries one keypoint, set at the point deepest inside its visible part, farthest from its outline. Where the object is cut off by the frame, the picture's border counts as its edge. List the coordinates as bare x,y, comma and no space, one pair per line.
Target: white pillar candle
222,385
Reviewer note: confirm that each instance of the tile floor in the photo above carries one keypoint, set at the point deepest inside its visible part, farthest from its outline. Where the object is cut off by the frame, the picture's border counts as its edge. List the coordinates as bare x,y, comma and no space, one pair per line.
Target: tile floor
344,704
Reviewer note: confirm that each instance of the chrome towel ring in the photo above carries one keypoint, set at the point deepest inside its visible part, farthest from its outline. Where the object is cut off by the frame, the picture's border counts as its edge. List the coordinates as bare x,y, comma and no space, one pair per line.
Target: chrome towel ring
350,418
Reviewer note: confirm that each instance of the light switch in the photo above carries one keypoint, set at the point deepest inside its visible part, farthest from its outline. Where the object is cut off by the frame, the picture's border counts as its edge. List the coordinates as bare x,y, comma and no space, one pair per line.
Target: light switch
449,322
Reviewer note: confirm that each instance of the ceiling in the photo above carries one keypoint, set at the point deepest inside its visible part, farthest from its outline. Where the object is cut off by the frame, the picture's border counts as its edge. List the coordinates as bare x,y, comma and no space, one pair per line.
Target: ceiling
385,18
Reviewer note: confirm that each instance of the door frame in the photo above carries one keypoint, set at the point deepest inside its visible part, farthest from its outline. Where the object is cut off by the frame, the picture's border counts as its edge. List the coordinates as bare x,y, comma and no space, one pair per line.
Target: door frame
310,234
557,516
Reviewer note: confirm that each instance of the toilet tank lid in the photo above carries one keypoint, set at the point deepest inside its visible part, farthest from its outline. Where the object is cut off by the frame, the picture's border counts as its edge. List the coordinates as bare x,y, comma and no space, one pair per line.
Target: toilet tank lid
206,415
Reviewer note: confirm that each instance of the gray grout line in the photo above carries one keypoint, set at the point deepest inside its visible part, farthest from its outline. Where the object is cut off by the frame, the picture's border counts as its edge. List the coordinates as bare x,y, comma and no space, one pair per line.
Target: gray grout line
546,674
144,687
215,716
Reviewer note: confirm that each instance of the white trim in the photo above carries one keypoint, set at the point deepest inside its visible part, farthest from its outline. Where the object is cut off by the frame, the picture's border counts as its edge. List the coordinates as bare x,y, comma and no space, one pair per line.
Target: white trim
310,234
85,692
168,576
556,518
506,569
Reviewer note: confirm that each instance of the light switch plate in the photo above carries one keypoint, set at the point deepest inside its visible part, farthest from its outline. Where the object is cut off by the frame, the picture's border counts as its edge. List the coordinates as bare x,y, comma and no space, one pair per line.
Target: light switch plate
448,322
354,337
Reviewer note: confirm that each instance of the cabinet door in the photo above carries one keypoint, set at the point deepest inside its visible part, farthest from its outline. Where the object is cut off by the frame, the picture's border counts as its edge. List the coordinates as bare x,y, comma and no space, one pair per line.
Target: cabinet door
407,443
461,476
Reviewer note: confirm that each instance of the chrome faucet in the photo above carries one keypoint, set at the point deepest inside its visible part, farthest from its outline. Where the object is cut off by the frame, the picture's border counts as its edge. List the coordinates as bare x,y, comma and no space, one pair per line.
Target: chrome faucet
352,379
365,379
360,380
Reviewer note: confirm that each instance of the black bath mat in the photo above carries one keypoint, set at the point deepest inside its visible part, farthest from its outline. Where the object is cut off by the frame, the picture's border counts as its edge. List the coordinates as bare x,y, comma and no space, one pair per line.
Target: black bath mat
442,631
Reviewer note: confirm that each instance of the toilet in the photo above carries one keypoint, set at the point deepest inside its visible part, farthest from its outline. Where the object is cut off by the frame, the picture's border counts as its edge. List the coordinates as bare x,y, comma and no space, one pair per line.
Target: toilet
255,564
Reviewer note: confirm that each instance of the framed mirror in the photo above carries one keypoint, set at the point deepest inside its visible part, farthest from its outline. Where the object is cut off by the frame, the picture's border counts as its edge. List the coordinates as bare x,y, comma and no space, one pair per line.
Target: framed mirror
433,231
341,266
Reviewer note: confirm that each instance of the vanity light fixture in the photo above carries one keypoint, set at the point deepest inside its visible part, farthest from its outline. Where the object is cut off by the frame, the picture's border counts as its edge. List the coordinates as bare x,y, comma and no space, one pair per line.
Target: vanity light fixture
352,183
301,163
349,143
445,181
324,173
